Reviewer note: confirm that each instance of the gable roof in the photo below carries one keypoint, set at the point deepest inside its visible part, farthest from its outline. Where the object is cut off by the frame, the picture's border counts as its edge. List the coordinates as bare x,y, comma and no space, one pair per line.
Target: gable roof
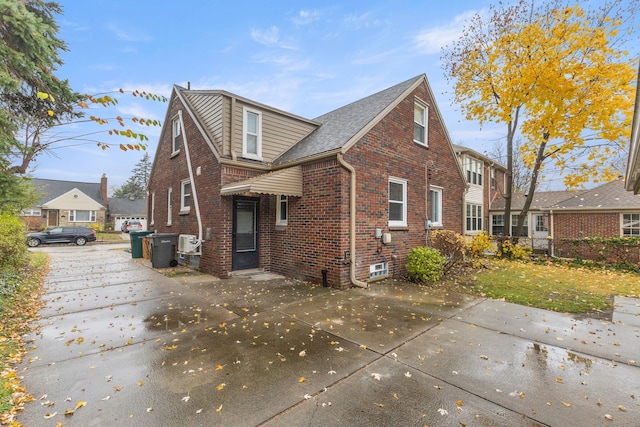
123,206
50,189
340,126
460,149
608,196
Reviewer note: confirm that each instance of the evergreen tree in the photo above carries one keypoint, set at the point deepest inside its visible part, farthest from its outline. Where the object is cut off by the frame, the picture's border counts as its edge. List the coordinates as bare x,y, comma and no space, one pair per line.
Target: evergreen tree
136,185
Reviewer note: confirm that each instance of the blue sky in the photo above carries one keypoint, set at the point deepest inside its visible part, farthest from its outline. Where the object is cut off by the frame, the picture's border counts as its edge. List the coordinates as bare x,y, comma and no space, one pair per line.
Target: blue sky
307,58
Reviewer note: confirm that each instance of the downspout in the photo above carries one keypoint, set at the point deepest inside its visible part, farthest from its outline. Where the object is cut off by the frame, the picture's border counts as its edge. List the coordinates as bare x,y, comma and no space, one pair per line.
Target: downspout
352,222
552,234
191,180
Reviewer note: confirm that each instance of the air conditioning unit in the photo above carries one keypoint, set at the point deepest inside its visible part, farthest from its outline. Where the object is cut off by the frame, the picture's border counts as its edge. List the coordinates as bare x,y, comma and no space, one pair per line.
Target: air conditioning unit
188,244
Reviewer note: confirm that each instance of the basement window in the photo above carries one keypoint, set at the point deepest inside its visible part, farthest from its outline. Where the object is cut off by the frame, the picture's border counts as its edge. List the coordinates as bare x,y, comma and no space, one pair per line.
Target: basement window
379,270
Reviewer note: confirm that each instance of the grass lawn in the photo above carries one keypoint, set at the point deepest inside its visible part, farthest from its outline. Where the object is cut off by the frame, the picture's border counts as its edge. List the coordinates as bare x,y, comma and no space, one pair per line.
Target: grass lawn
545,285
109,237
19,303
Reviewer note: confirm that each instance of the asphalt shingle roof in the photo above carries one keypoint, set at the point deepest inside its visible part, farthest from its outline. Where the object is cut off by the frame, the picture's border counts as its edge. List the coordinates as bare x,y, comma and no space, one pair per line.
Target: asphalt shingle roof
49,189
611,195
339,126
127,207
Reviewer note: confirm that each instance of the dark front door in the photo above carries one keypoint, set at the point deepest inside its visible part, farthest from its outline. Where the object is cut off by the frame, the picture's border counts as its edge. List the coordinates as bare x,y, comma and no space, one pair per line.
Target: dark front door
245,234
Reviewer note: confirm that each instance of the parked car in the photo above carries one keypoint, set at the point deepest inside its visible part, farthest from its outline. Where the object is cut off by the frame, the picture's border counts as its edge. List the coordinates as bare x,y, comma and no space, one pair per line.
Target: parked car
78,235
128,226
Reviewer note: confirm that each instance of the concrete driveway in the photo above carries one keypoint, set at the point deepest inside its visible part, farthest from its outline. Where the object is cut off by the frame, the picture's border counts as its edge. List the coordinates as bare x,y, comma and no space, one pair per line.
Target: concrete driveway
121,344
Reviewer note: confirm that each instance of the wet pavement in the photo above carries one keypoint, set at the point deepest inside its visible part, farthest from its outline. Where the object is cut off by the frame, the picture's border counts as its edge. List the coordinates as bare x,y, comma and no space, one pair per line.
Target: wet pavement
119,343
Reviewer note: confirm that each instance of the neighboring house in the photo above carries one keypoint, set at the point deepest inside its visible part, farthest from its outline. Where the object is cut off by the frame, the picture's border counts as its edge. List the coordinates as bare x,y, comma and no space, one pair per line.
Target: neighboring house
122,209
340,198
486,180
604,211
67,203
632,182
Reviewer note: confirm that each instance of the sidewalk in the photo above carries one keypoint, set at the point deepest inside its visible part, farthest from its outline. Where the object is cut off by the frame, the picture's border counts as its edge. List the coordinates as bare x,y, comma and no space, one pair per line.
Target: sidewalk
142,349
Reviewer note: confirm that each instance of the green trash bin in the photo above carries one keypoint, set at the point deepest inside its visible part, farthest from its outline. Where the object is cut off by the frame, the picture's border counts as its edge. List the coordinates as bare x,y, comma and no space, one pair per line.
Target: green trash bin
136,242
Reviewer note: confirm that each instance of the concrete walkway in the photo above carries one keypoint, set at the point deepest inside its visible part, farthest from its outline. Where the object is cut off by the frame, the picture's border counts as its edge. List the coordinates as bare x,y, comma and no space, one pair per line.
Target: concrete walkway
127,345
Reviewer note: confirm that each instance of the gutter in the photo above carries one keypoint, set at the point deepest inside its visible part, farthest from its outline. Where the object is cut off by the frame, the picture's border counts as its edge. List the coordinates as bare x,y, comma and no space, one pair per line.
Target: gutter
352,222
194,194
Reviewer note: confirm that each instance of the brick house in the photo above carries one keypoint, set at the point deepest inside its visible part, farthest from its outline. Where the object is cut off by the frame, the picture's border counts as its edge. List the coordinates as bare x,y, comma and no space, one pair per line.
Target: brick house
632,181
67,203
341,198
486,181
556,216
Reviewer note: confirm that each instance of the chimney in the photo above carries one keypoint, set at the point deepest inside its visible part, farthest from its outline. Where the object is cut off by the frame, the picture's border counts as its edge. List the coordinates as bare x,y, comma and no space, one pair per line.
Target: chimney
103,190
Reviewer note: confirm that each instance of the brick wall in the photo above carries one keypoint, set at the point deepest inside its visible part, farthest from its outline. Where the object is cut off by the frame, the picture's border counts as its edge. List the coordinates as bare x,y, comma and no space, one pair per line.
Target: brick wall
572,225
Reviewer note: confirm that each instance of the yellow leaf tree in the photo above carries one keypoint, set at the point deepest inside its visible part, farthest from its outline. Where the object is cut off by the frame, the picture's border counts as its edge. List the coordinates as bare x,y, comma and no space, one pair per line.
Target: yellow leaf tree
557,75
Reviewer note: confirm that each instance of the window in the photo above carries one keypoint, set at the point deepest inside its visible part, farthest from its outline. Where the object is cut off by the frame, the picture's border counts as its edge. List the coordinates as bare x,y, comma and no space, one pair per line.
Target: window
435,206
420,123
540,224
514,224
474,171
493,179
185,196
169,205
397,202
631,224
379,270
281,210
82,216
252,134
31,212
474,217
177,135
497,225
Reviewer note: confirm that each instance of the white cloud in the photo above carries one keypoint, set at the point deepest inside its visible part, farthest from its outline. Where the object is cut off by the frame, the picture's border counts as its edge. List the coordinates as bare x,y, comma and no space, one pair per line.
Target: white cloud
268,37
432,40
129,36
364,20
306,17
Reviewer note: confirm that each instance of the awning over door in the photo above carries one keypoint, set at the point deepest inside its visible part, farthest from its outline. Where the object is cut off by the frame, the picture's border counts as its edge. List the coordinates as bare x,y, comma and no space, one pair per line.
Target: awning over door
287,182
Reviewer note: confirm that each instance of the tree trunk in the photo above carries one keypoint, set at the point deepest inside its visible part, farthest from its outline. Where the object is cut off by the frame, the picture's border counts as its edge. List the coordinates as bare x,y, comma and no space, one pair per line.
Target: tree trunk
532,185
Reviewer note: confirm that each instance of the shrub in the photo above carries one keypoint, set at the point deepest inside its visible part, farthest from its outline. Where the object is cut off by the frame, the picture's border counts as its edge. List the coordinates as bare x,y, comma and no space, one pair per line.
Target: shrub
425,265
96,227
13,247
450,244
480,244
513,251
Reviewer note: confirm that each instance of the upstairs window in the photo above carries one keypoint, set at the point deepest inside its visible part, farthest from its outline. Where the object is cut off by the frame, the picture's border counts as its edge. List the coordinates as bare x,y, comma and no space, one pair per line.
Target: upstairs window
177,135
281,210
397,202
435,206
420,123
252,134
474,171
493,179
185,196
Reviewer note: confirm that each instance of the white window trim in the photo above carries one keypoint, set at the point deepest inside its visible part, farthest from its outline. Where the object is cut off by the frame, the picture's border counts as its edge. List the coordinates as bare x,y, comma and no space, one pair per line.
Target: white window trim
478,208
425,108
403,182
32,212
185,209
245,154
622,225
439,191
169,205
279,201
175,120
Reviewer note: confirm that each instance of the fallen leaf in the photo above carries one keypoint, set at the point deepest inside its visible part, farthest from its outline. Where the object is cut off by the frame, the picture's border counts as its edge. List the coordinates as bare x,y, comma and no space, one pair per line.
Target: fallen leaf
376,376
221,386
301,380
219,367
608,417
199,411
303,353
443,411
219,409
407,374
460,403
186,398
566,404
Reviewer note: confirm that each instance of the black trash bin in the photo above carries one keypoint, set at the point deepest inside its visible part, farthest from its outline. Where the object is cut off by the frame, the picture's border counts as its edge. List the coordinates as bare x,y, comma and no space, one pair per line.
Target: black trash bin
136,242
163,249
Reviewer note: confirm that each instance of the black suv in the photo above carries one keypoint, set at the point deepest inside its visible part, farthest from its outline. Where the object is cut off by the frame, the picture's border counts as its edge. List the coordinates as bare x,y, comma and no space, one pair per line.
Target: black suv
78,235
